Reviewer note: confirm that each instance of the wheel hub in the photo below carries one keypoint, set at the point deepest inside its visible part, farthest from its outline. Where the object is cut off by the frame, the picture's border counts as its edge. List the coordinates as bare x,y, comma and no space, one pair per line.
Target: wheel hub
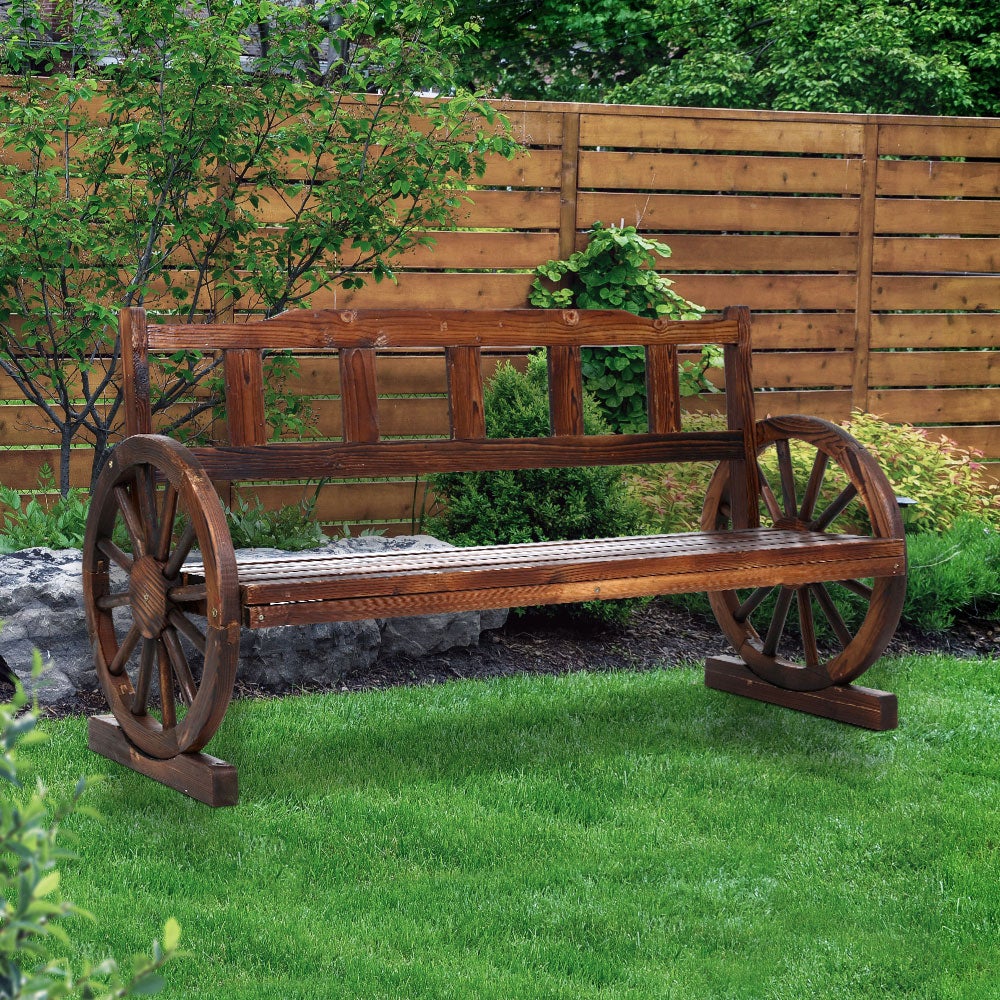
148,596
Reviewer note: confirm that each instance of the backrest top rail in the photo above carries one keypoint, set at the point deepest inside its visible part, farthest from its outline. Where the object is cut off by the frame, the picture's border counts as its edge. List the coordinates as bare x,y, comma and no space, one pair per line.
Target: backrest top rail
333,329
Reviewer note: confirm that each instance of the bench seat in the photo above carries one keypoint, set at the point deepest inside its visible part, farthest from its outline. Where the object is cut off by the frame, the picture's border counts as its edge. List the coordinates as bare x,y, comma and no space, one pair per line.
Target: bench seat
301,589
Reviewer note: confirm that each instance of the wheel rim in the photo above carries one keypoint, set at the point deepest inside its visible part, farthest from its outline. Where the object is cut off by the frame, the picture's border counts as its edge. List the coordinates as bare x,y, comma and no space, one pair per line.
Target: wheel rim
842,486
165,649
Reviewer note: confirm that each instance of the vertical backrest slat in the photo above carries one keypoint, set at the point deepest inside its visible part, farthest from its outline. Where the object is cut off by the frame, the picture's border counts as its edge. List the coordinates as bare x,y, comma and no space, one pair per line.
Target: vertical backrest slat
740,414
135,365
466,412
565,390
359,395
663,395
245,420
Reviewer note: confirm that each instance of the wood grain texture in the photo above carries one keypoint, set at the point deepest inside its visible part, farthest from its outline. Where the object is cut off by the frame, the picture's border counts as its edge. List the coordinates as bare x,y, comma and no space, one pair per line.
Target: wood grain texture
466,410
326,330
663,394
135,371
199,775
857,706
245,418
359,395
565,391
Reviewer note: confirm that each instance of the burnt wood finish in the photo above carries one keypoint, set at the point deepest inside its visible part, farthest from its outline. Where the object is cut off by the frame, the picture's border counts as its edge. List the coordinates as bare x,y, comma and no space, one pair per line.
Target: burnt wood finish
168,665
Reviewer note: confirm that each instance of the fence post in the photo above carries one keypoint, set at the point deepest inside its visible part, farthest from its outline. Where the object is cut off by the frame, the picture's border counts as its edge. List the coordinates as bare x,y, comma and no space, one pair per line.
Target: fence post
866,253
568,181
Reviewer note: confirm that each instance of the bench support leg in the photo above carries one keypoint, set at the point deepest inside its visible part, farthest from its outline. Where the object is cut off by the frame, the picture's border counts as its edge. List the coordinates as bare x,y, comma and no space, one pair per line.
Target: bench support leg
858,706
204,778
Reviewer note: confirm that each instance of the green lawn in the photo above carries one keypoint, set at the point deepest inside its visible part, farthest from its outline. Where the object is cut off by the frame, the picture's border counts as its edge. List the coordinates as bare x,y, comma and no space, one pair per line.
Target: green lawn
629,835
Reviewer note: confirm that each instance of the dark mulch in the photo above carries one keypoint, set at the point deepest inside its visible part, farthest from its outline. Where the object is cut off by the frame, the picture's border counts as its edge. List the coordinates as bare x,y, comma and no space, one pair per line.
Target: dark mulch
660,634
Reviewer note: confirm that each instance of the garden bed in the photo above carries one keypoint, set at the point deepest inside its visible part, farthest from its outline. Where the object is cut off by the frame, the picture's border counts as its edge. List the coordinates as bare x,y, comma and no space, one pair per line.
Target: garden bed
661,634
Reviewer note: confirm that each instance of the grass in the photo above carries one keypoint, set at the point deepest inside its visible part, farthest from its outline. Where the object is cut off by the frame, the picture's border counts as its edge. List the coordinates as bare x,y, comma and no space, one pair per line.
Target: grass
629,835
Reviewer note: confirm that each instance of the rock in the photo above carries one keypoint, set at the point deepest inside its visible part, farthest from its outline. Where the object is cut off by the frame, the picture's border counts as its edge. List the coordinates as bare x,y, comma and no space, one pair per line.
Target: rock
41,607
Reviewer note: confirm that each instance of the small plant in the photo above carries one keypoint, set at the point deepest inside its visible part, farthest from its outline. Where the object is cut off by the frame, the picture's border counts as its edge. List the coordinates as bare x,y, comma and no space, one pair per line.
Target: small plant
956,572
57,523
616,271
537,505
30,907
674,494
944,479
292,528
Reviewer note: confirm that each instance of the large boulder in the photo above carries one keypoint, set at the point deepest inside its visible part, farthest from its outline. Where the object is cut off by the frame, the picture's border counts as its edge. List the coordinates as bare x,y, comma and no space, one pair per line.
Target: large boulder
41,608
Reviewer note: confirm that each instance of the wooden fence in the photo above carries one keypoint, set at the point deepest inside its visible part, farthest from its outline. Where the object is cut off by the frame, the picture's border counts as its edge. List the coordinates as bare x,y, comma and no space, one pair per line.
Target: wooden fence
867,246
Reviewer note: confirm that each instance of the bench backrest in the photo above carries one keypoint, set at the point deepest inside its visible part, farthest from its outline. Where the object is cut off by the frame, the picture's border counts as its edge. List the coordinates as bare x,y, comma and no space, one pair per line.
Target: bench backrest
359,335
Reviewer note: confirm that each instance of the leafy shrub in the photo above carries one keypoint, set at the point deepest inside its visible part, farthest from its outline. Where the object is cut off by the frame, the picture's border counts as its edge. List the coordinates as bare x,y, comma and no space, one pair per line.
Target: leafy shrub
292,528
955,572
535,505
923,464
30,909
56,524
616,271
673,494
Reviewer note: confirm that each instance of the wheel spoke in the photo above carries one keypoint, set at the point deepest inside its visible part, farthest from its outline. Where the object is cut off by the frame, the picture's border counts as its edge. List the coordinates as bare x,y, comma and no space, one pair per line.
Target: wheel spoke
815,484
846,495
145,495
133,523
747,608
141,698
787,477
832,615
768,494
807,626
168,710
857,587
781,607
188,594
188,628
179,554
181,668
168,513
110,601
128,644
121,559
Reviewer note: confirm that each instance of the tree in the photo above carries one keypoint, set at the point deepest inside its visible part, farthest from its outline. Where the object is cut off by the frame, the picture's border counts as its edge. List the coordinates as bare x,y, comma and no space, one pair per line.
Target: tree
939,57
555,49
203,157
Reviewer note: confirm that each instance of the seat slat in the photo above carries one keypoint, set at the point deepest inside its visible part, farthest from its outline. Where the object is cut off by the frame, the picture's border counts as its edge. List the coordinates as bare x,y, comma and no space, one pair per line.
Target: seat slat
761,554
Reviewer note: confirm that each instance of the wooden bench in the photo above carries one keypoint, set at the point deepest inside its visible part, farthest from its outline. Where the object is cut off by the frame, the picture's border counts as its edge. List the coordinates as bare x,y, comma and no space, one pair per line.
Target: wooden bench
168,669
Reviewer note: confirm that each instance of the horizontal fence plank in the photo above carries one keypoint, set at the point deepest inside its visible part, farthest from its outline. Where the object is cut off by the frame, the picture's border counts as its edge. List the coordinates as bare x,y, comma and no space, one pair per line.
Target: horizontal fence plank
929,216
422,290
797,331
937,179
352,502
20,467
732,252
487,251
938,140
830,404
923,330
947,253
769,291
971,294
615,171
934,368
983,438
704,132
709,213
534,168
936,406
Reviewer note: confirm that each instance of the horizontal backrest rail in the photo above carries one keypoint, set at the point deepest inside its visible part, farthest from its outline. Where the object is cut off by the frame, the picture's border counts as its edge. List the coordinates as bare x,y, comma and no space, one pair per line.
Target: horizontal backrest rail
409,457
325,330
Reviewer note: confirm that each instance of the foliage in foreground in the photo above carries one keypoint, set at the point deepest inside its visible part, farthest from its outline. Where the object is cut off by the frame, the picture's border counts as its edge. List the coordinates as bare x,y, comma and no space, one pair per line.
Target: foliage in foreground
534,505
31,910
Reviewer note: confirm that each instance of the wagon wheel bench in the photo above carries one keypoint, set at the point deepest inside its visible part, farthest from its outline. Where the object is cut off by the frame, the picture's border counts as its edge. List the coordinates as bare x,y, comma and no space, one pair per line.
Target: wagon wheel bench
166,644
